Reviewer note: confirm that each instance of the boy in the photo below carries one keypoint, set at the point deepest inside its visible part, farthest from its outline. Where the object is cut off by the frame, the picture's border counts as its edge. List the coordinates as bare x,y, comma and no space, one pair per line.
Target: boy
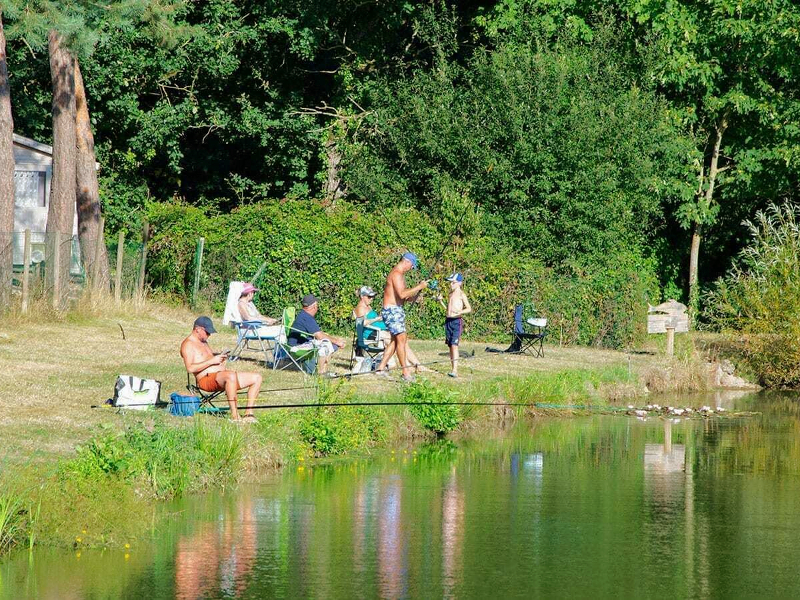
457,305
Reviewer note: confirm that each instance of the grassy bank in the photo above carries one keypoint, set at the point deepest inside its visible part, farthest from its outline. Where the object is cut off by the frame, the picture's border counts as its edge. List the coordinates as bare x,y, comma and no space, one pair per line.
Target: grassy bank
73,475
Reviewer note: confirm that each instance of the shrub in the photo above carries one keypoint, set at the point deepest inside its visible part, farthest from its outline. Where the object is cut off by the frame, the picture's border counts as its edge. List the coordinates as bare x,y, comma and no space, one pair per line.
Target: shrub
421,395
759,299
331,431
332,251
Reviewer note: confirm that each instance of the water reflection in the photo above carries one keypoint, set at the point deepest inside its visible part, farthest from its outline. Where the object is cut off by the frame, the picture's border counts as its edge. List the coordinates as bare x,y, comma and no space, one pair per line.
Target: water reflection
600,507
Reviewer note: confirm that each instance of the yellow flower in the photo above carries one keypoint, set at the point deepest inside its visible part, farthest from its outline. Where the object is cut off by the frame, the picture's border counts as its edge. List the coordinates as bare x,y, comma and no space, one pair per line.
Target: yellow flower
78,540
127,546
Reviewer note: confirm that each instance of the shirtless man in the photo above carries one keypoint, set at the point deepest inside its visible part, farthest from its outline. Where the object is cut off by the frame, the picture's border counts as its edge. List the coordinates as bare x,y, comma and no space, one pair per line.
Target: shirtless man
395,295
211,376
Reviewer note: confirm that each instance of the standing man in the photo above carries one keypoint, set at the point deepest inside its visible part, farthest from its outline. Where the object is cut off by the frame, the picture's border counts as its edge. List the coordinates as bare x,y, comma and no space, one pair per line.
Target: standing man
211,376
395,295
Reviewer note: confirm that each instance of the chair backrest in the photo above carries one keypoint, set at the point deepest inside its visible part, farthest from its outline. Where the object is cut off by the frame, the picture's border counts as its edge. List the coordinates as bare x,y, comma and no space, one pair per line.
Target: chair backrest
518,326
360,341
289,314
231,314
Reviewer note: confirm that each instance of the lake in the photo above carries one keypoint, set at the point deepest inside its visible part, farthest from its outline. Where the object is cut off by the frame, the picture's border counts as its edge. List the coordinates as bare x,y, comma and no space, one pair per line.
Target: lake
596,506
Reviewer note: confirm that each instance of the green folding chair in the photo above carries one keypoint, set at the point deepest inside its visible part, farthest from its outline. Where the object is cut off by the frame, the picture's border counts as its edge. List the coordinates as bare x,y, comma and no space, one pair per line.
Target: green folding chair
286,355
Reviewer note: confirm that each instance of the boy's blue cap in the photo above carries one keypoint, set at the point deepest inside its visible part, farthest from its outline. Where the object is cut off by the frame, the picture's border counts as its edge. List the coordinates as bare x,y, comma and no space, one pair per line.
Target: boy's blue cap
455,277
412,258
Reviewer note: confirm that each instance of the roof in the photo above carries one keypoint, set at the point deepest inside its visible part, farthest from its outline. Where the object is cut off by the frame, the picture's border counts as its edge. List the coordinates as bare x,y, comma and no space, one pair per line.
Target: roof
33,144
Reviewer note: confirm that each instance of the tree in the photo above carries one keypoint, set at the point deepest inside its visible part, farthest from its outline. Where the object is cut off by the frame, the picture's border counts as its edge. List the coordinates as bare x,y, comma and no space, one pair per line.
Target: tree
61,212
6,176
90,232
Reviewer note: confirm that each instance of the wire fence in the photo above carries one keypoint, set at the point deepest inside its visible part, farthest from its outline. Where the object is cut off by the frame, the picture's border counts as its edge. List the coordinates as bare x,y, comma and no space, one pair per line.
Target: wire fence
56,269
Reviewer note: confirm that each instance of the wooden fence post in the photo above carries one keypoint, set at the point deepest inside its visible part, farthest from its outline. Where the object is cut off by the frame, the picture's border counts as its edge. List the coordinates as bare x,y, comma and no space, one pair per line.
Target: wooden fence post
26,270
56,258
670,340
198,264
118,275
143,265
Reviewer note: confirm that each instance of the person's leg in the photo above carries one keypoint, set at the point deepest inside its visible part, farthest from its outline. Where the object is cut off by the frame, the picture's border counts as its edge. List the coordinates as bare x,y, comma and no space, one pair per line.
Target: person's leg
251,381
229,381
387,354
454,360
401,341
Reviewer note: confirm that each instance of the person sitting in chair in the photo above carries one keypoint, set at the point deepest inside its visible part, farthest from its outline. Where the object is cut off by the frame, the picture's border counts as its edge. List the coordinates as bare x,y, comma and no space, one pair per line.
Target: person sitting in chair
306,330
374,321
210,373
249,312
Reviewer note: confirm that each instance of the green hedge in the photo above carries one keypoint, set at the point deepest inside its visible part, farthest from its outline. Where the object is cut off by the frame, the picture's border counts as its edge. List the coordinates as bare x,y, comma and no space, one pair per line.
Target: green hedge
331,251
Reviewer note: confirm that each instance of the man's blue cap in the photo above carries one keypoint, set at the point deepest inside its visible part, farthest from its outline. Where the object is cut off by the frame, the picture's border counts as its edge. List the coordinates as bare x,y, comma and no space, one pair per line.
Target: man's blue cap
455,277
205,323
412,258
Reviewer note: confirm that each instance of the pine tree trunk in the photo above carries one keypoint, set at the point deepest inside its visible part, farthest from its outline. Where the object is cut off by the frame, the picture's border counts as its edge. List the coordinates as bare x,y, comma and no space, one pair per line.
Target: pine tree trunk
6,177
61,213
88,191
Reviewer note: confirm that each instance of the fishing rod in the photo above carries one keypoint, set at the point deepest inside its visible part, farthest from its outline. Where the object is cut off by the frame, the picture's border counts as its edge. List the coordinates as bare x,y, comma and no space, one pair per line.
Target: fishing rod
164,403
376,403
396,368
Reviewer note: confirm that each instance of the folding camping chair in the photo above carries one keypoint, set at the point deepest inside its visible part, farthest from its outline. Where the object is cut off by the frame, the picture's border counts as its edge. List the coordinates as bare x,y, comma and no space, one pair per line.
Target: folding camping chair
249,334
363,345
295,355
206,398
528,340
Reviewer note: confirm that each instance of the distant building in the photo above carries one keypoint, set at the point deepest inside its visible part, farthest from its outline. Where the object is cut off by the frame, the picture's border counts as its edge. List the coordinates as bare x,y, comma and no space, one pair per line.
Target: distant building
33,171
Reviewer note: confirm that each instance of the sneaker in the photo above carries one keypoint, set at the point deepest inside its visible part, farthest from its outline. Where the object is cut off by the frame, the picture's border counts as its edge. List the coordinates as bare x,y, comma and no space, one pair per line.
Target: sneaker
453,375
408,378
383,373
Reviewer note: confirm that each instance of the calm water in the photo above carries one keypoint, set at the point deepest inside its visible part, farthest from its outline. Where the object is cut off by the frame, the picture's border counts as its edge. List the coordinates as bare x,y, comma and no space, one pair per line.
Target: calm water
590,507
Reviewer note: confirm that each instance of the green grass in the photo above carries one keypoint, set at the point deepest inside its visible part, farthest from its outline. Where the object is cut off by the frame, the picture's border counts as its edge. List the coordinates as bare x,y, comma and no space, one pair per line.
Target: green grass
88,477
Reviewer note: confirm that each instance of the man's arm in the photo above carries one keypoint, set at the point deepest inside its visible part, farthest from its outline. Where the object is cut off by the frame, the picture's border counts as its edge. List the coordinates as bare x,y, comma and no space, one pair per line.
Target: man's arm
402,291
194,366
321,335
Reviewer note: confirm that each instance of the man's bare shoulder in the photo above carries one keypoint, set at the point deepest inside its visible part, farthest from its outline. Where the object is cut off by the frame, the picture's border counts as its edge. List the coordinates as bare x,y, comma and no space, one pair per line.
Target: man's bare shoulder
188,344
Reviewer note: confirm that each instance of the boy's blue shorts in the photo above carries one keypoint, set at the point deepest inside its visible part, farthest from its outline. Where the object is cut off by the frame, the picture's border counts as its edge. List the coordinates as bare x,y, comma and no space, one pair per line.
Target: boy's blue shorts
452,330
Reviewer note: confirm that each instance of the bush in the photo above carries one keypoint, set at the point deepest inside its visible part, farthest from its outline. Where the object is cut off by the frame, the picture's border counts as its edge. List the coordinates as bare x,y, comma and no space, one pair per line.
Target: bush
306,247
438,419
162,461
331,430
759,299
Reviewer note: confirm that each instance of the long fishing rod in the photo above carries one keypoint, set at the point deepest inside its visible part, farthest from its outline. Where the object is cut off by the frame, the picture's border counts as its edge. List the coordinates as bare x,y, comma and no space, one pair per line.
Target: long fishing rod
398,367
376,403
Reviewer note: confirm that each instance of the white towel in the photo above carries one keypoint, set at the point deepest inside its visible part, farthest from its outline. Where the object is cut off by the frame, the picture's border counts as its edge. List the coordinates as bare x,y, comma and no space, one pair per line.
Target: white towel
232,303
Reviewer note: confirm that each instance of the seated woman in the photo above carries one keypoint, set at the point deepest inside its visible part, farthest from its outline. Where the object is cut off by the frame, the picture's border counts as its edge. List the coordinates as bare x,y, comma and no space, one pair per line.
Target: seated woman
375,326
249,312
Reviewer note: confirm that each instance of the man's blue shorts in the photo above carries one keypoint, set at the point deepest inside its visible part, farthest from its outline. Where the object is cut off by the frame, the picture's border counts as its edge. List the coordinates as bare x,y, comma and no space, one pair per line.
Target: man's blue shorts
394,317
452,330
